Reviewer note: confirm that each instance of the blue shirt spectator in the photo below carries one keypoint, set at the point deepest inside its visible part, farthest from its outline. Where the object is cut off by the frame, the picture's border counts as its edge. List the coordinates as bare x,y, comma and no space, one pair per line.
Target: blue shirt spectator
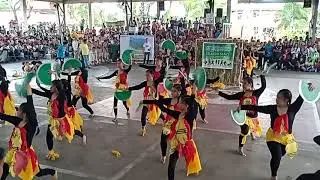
61,52
269,49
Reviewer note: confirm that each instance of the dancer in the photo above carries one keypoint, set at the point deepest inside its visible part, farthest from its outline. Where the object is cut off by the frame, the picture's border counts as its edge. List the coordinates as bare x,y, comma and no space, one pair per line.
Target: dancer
72,112
121,84
82,90
21,159
280,139
2,154
201,99
184,70
178,91
60,125
248,97
7,105
151,112
180,137
249,63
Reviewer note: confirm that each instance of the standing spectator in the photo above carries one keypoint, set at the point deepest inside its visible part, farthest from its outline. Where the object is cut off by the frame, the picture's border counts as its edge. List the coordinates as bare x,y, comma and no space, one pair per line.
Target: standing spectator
268,53
61,52
82,25
147,50
84,50
75,47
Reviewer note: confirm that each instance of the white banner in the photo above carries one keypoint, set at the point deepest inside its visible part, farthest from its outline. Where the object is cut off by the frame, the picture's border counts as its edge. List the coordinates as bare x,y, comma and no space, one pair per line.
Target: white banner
136,43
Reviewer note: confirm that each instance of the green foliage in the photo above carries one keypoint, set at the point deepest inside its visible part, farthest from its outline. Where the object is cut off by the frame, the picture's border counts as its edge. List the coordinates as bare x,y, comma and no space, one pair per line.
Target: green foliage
4,5
78,12
194,8
293,20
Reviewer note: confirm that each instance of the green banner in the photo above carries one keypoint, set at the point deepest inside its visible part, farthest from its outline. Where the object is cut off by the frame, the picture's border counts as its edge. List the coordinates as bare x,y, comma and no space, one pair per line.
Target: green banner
218,55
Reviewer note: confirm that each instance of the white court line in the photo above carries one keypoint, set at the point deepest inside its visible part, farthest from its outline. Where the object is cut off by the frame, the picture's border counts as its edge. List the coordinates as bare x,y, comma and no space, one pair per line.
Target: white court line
131,165
74,173
316,117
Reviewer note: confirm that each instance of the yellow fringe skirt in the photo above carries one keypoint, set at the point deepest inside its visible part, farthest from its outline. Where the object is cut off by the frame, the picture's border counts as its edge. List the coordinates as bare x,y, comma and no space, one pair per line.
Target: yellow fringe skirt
288,140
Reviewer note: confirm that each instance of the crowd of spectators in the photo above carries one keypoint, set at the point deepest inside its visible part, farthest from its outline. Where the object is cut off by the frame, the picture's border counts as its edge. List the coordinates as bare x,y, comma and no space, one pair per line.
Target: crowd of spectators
297,54
32,44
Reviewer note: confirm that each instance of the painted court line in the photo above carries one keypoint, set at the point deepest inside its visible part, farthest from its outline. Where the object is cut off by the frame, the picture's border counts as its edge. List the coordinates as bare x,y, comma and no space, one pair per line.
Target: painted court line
131,165
74,173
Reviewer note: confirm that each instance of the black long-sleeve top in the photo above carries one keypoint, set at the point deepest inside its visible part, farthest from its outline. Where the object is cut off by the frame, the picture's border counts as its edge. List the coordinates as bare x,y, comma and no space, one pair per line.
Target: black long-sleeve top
68,89
115,73
31,125
61,99
237,96
272,110
145,83
153,68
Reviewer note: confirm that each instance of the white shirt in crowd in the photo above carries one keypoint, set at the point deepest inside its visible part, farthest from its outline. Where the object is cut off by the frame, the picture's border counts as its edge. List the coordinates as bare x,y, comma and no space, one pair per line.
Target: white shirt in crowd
147,47
75,45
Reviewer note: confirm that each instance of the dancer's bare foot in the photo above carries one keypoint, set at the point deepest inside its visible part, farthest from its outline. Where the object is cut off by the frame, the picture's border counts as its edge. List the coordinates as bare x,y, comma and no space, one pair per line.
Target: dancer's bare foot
253,137
91,115
55,176
204,121
273,178
143,131
128,114
241,151
115,120
84,139
163,159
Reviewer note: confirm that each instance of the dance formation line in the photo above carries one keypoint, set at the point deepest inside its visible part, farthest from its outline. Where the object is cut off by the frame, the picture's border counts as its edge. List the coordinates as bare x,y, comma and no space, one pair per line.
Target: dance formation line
177,104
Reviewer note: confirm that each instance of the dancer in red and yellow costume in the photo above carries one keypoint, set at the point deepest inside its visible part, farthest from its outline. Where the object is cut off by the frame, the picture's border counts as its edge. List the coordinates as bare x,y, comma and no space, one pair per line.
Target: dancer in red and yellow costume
249,63
82,90
280,139
21,160
180,138
158,71
60,125
152,112
248,97
121,84
72,111
7,104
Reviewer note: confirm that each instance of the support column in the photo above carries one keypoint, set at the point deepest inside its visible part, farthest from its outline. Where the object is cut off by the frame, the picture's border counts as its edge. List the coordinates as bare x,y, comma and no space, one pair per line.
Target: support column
24,9
315,4
158,10
229,11
64,16
90,15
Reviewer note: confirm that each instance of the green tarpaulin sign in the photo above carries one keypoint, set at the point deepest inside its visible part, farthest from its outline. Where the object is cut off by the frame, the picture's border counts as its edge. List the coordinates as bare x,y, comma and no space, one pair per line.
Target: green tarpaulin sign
218,55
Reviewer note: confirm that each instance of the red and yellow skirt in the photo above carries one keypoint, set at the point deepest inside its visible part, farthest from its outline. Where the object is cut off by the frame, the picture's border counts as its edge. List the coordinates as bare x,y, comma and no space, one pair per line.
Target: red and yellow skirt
62,127
75,117
88,95
255,126
154,113
22,164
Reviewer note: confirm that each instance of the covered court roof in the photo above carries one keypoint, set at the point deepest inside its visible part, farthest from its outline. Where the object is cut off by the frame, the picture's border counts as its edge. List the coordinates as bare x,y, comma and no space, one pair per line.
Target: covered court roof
96,1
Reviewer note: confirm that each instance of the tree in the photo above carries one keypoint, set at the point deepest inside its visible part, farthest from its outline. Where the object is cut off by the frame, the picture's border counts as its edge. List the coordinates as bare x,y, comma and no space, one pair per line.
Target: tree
292,20
77,12
194,8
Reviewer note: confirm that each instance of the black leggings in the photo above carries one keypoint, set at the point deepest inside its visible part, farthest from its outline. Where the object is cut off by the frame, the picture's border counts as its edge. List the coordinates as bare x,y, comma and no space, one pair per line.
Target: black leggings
84,101
42,172
115,106
202,112
144,113
172,164
163,144
244,132
277,150
49,137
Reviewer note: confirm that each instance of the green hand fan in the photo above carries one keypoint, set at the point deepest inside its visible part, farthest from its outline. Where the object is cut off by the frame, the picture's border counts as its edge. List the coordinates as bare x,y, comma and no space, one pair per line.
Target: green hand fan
168,84
20,86
306,94
239,117
182,55
127,57
168,44
71,63
122,95
43,75
200,78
